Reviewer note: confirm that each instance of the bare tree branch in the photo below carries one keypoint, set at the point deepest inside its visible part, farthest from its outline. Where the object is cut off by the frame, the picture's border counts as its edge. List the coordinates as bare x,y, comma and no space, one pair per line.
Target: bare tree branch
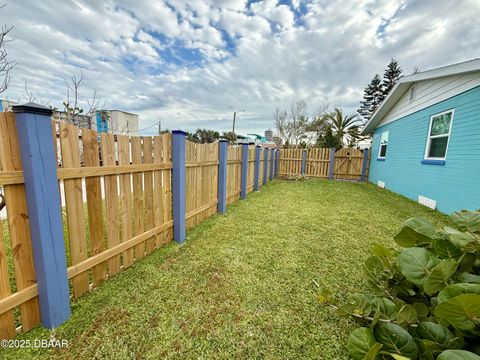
5,65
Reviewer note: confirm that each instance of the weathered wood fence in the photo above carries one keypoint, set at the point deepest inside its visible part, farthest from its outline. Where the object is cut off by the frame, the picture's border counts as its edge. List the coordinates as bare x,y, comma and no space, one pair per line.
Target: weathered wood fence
124,198
344,164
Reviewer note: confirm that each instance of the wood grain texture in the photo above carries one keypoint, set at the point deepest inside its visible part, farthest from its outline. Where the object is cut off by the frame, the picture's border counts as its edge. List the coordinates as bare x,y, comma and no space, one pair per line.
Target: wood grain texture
111,201
7,323
77,236
91,157
17,216
138,209
123,144
148,191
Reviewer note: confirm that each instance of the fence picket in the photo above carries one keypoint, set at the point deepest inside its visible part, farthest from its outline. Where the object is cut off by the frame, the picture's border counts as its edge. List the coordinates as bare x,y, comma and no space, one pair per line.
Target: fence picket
74,205
91,157
138,210
123,147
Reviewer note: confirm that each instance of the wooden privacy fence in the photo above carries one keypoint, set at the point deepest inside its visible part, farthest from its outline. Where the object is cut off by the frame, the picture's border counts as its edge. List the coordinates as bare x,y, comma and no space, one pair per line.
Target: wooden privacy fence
124,197
344,164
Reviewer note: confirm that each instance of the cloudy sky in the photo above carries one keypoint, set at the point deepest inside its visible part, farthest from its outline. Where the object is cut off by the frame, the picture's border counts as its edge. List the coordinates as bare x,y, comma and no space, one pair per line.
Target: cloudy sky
192,63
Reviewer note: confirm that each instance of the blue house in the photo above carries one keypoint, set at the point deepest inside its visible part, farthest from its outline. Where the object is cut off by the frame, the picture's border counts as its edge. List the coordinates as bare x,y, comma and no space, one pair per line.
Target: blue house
426,138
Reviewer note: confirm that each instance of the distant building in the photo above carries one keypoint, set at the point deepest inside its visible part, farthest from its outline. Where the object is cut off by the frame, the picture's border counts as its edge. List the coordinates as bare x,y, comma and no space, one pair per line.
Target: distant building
6,105
115,121
269,135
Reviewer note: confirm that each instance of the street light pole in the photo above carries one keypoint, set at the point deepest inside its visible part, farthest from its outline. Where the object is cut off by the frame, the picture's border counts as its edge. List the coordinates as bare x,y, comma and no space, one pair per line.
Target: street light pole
234,118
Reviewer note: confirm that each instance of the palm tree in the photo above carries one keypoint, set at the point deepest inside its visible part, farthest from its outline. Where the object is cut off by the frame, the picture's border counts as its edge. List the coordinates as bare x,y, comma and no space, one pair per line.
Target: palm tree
344,128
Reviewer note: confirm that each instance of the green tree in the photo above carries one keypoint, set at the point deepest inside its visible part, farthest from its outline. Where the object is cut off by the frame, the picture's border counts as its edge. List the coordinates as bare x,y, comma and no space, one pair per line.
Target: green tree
230,136
372,98
328,140
205,136
344,128
391,75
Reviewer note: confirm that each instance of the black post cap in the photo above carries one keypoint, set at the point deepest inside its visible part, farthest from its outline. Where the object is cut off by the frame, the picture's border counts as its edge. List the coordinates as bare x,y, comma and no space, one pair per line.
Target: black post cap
32,108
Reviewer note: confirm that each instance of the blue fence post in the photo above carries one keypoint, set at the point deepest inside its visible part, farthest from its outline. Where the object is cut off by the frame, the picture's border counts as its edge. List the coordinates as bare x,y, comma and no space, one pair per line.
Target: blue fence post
34,128
256,173
222,176
243,190
265,165
277,161
332,163
304,161
364,165
178,185
272,163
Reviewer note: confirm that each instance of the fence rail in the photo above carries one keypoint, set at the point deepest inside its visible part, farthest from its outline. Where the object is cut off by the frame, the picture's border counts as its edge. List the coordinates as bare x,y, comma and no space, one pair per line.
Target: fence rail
345,164
118,208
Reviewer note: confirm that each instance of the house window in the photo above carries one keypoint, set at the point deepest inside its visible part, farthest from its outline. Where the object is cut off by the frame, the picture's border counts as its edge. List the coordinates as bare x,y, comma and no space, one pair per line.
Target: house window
382,151
438,135
413,92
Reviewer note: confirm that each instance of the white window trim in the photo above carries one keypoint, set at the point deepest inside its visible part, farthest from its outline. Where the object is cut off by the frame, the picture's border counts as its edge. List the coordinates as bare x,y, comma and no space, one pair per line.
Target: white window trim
380,144
412,93
429,138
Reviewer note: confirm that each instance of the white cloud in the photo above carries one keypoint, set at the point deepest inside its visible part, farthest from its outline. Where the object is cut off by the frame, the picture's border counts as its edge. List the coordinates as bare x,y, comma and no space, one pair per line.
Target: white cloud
191,63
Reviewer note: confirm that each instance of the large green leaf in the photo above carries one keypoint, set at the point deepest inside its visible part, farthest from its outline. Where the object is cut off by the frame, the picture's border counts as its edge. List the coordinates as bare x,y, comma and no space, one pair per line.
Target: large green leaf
416,264
425,352
464,240
415,231
437,334
383,307
395,340
439,276
360,342
467,278
422,310
407,315
453,290
374,267
462,311
445,249
457,355
358,304
467,220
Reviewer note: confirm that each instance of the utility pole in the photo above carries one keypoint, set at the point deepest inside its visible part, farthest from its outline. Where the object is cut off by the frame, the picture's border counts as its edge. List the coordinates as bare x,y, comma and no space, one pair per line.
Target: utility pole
159,128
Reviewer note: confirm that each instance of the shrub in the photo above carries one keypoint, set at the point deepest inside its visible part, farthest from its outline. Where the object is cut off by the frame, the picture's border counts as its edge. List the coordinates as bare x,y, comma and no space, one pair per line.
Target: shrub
425,299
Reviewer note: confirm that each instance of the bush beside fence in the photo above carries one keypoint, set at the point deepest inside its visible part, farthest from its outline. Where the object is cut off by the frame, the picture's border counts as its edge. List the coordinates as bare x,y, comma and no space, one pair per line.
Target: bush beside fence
120,223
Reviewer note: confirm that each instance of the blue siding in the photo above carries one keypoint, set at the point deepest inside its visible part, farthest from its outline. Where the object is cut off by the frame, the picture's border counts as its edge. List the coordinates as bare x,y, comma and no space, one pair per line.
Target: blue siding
454,185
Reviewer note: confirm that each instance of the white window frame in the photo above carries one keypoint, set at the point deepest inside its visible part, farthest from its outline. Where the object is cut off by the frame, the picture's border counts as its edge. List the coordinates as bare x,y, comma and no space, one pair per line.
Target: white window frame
429,137
380,144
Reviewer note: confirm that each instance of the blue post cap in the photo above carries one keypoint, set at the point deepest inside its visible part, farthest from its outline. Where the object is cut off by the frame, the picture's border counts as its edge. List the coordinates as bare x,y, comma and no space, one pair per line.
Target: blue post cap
180,132
32,108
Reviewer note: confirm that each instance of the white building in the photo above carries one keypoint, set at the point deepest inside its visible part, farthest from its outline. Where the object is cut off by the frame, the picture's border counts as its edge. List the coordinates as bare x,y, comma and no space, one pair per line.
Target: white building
115,121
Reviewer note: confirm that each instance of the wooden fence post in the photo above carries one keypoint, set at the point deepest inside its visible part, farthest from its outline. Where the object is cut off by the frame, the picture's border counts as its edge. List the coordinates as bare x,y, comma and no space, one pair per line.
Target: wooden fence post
332,163
178,185
34,128
222,176
257,168
277,161
272,163
243,189
364,164
265,165
304,161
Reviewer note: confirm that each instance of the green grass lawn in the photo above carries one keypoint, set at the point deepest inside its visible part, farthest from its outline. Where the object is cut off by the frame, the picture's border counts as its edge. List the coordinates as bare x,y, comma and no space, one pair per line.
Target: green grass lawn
243,285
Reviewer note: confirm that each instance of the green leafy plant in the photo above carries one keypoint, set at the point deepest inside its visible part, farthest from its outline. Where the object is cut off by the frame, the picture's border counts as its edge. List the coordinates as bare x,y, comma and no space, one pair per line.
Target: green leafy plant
425,298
